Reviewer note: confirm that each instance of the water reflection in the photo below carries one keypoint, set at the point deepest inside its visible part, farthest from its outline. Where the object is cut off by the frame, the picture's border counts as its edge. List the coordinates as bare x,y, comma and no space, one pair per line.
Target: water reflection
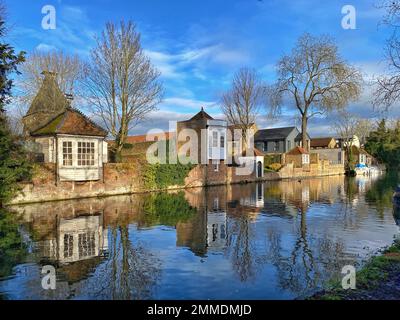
274,240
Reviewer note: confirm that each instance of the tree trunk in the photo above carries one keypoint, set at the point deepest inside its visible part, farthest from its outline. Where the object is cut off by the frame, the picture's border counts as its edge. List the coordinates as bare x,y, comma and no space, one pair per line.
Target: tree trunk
304,139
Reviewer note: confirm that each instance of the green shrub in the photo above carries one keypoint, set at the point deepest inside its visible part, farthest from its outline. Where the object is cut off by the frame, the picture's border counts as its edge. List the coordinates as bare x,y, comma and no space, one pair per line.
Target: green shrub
272,158
161,176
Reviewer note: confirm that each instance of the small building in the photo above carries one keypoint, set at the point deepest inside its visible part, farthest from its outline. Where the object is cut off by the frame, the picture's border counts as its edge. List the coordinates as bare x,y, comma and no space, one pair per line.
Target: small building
323,143
278,140
298,156
64,136
210,137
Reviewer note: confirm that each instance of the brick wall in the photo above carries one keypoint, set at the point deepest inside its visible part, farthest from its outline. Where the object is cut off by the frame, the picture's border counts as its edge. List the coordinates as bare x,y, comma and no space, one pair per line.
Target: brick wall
127,178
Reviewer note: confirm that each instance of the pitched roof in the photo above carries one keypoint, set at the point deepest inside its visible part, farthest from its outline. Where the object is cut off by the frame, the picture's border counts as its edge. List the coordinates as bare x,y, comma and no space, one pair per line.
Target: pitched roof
297,150
201,115
145,138
72,122
321,142
258,153
274,133
49,98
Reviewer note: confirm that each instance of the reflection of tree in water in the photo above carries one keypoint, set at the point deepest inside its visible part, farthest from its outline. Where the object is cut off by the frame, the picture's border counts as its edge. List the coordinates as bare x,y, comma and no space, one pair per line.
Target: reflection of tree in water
381,192
241,248
130,272
311,261
12,247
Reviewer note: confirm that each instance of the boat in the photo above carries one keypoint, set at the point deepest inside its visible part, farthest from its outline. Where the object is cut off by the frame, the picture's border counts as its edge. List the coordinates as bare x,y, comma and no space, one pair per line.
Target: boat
364,170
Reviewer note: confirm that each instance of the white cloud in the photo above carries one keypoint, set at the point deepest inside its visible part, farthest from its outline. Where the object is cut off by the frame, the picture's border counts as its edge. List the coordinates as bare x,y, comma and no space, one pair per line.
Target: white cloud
186,103
45,47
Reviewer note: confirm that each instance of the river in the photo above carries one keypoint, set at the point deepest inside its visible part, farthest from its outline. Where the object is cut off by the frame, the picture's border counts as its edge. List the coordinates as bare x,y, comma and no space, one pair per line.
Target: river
275,240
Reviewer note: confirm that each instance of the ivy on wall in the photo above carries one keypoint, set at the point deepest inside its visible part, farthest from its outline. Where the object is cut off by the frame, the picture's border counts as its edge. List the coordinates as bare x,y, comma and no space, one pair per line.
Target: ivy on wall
161,176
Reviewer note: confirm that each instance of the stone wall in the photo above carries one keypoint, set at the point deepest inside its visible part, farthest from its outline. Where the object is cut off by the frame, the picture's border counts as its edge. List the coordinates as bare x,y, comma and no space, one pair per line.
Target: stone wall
127,178
118,179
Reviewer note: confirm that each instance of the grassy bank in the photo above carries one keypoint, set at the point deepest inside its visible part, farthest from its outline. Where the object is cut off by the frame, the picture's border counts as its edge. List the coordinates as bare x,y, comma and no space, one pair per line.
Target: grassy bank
379,279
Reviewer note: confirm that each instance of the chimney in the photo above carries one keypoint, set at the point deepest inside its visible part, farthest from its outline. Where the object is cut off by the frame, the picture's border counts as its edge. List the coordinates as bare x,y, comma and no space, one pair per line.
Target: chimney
69,97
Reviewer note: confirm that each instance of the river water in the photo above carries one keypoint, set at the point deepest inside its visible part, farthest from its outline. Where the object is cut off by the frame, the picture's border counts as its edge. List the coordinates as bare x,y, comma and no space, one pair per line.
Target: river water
276,240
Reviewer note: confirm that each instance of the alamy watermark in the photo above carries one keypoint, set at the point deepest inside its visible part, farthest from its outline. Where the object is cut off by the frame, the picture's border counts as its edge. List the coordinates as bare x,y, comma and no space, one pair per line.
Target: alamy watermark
349,279
190,146
49,20
49,278
349,21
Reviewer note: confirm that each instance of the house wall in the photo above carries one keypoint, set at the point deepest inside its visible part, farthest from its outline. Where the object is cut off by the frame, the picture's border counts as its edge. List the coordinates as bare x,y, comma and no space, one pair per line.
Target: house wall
285,144
47,148
296,160
77,172
335,156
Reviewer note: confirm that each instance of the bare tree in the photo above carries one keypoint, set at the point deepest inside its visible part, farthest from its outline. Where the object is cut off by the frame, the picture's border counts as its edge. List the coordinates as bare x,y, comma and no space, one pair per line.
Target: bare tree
67,70
315,78
345,127
241,103
387,91
122,84
363,129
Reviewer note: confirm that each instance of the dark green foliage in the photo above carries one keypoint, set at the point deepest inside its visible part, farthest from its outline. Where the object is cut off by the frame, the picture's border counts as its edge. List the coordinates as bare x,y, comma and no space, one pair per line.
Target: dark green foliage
161,176
9,61
12,248
13,164
381,193
384,144
166,209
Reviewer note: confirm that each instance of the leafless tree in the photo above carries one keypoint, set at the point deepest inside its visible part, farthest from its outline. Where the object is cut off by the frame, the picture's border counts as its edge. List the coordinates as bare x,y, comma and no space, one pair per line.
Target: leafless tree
241,103
345,127
315,78
122,84
388,86
66,68
363,129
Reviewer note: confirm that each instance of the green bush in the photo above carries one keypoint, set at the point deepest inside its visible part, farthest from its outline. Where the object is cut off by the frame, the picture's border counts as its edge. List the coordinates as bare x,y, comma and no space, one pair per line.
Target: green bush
272,158
161,176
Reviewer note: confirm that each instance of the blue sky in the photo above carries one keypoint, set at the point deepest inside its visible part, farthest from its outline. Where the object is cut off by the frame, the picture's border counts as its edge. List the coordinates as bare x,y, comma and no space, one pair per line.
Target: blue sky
198,45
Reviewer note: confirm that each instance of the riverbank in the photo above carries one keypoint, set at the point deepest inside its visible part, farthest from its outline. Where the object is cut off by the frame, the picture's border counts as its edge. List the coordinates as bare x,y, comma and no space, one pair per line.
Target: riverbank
134,177
379,279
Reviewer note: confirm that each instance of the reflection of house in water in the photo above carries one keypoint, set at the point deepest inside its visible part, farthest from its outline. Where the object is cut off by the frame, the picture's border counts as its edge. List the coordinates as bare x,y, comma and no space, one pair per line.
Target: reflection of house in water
81,238
255,198
76,239
216,230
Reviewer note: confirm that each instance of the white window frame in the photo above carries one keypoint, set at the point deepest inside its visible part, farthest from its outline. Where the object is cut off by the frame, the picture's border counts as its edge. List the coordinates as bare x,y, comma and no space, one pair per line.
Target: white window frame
85,159
67,144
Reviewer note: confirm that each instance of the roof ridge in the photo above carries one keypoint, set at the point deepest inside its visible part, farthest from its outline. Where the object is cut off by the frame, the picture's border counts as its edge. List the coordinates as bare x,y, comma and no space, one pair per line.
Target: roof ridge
70,108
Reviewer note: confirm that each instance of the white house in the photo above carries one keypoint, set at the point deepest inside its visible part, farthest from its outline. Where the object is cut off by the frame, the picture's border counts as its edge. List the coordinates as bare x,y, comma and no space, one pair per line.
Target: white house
64,136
